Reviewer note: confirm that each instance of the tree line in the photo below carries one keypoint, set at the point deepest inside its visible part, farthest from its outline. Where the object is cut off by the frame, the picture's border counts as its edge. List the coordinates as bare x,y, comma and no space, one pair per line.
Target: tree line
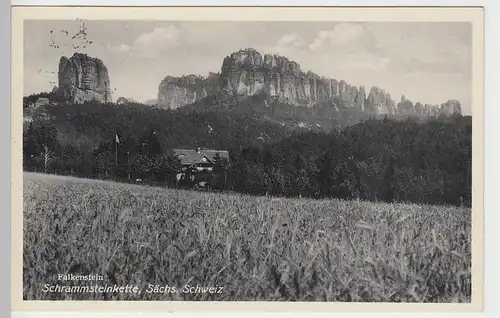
377,159
123,159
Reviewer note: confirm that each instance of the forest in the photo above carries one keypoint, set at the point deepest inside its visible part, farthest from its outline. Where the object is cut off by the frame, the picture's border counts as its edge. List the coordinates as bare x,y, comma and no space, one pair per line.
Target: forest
377,159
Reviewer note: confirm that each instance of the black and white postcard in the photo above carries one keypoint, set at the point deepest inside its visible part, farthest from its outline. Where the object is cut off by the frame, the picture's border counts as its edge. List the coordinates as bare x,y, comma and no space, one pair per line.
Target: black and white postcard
247,158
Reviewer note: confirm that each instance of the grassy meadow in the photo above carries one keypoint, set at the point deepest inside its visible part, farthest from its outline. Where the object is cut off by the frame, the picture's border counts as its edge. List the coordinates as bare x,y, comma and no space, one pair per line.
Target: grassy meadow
257,248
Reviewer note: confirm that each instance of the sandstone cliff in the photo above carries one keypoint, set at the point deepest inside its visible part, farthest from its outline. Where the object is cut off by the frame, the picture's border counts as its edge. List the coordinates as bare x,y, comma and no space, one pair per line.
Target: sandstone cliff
83,78
452,106
380,102
125,100
247,72
175,92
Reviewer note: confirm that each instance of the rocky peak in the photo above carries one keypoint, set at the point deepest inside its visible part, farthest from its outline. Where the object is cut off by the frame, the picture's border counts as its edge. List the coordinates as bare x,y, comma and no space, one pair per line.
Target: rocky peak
184,80
451,107
175,92
245,73
83,78
405,107
380,102
125,100
242,59
281,63
430,110
250,59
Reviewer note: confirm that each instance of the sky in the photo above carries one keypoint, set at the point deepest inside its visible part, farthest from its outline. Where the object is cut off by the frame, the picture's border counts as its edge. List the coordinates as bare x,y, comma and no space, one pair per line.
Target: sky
428,62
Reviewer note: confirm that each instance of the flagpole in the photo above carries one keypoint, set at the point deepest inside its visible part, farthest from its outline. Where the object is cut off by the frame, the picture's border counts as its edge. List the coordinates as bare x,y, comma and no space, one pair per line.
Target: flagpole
128,163
116,150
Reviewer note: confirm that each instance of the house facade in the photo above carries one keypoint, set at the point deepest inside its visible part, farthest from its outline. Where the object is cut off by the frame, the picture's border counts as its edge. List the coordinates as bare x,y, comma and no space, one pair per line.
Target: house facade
41,101
200,159
198,165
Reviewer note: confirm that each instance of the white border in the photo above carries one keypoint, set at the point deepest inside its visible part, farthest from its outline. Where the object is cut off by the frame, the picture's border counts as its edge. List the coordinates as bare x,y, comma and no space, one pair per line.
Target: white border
256,2
492,158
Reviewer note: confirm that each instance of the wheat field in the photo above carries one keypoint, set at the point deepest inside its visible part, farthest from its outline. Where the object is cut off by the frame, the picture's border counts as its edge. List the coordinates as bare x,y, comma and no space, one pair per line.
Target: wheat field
256,248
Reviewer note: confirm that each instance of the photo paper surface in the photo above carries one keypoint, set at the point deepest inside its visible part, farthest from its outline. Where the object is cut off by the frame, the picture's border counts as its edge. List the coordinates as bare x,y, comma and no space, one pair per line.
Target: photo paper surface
269,159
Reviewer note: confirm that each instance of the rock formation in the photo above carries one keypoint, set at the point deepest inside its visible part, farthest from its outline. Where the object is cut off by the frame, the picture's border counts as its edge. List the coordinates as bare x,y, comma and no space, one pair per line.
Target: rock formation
83,78
451,107
247,72
125,100
379,102
431,110
406,107
175,92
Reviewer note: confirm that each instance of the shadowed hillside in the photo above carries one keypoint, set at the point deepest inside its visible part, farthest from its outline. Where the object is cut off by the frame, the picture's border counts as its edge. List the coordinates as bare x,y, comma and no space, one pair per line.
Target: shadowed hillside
377,159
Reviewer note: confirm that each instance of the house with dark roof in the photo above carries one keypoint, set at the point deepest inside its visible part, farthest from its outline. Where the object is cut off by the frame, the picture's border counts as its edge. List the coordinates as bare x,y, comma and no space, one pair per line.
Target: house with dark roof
41,101
198,167
200,159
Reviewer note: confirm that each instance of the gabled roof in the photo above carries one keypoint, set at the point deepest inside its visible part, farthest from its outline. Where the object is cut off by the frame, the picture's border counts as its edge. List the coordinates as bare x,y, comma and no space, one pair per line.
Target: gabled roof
191,156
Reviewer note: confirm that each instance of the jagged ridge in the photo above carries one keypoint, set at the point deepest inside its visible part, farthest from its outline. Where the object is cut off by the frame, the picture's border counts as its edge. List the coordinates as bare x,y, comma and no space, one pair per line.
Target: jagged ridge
246,72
